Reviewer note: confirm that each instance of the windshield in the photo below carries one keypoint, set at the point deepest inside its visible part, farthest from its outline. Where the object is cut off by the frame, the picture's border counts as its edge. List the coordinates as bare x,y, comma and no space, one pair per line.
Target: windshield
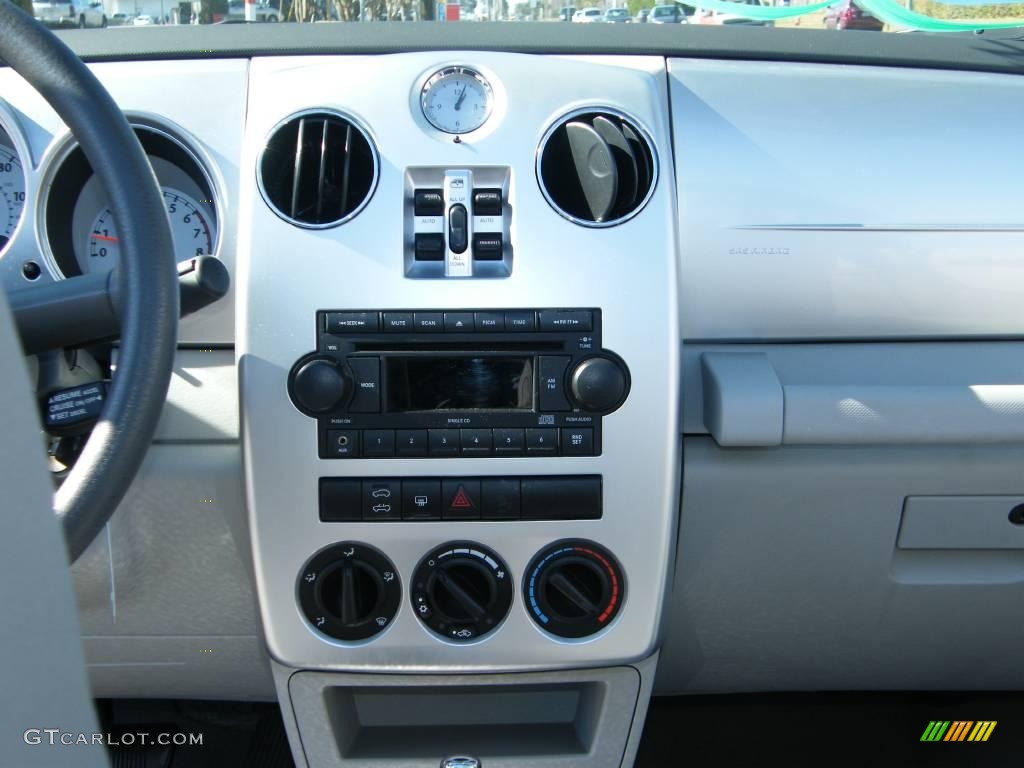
892,16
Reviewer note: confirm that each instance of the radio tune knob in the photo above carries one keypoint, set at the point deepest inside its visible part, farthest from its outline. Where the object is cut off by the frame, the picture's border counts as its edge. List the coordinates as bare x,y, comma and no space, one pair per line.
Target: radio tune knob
320,385
599,384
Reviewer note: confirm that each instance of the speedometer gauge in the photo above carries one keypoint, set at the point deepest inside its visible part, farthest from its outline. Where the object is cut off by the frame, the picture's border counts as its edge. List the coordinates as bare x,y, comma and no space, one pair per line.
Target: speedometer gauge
191,229
457,100
12,190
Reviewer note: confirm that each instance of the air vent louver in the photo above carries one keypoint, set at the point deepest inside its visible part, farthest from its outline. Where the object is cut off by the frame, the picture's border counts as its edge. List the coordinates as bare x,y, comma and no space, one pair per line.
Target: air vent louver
596,168
318,169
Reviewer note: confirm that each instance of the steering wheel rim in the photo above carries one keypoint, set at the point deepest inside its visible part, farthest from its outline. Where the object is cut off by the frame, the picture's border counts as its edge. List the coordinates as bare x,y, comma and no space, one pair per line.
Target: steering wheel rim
147,275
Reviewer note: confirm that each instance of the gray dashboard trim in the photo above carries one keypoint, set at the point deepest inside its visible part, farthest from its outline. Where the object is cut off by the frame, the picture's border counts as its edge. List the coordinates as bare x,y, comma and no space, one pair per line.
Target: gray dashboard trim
994,51
755,395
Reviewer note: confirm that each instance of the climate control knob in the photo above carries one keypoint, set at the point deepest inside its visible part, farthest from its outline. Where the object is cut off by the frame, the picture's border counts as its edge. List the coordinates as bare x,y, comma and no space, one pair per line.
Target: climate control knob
599,384
319,385
461,591
573,588
349,591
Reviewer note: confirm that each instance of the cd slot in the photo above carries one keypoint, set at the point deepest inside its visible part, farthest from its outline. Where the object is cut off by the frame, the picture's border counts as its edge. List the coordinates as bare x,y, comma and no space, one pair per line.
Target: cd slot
458,346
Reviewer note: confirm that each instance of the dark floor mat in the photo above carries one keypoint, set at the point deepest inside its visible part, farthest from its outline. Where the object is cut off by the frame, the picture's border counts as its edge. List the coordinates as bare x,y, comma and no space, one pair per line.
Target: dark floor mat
796,730
233,734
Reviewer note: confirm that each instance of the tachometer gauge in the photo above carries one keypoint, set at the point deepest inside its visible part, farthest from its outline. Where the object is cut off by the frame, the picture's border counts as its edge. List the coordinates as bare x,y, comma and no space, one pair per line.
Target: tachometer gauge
457,100
12,191
191,229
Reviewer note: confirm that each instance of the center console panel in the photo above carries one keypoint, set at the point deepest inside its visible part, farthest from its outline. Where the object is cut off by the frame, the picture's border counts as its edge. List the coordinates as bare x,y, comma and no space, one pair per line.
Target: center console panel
460,416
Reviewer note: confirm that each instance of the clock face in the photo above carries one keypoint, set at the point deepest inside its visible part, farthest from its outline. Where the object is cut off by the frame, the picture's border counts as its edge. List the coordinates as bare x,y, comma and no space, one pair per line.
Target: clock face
457,100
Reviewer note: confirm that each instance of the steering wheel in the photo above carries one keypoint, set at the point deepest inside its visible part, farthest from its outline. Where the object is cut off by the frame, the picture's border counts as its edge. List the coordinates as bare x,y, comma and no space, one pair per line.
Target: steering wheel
143,290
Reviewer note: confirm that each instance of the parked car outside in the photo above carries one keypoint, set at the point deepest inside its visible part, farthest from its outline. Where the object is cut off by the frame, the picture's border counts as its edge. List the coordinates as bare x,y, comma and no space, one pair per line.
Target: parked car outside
567,13
848,15
143,20
120,20
617,16
641,16
74,13
666,14
587,15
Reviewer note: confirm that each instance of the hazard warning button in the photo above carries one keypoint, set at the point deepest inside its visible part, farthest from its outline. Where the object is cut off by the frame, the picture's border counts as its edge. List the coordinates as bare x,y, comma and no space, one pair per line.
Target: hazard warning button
460,499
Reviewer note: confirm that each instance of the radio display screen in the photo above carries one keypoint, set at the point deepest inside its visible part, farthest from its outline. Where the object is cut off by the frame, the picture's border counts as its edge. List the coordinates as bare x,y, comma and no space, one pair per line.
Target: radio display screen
459,383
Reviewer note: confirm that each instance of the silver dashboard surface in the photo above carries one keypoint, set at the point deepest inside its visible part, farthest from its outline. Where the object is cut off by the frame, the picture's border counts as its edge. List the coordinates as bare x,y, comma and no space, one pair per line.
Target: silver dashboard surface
825,202
629,272
209,119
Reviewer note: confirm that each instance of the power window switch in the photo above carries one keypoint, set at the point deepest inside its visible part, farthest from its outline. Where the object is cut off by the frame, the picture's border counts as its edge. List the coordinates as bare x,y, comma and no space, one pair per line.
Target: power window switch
428,202
429,247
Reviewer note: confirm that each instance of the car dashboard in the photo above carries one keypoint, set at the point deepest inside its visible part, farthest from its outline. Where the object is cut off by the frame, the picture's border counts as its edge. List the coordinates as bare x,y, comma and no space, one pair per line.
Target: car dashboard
551,379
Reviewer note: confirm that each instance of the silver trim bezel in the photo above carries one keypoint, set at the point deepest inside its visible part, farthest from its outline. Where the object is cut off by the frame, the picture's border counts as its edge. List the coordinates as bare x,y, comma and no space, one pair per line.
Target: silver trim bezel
636,125
457,69
356,123
9,125
61,149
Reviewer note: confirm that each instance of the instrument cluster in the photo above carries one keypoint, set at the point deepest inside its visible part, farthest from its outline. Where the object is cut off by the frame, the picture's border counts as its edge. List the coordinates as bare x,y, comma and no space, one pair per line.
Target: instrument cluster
12,188
76,228
81,231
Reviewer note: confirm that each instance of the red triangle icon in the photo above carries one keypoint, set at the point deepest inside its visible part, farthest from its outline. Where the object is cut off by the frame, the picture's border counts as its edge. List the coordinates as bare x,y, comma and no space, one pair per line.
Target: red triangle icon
461,500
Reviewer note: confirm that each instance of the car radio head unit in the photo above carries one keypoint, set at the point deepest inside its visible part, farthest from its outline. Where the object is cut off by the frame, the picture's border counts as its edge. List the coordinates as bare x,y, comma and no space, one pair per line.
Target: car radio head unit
438,384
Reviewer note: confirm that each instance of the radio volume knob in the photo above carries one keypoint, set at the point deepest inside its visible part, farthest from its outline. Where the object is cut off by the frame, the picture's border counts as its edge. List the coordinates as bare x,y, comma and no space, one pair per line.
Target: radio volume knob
599,384
320,385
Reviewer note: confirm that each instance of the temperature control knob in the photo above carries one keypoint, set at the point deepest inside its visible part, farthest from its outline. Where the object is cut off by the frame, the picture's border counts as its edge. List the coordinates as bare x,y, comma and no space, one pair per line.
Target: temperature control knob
573,588
462,591
319,385
349,591
599,384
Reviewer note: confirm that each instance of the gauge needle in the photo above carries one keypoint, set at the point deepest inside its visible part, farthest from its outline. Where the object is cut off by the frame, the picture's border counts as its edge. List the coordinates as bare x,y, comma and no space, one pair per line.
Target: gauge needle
109,239
462,97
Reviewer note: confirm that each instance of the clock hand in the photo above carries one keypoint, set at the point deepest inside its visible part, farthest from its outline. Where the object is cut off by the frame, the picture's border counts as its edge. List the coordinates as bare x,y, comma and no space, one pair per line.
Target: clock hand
462,97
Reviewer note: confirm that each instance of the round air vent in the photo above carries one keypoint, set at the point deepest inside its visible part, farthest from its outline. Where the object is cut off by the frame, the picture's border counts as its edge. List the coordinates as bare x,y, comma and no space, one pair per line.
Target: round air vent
596,168
318,169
